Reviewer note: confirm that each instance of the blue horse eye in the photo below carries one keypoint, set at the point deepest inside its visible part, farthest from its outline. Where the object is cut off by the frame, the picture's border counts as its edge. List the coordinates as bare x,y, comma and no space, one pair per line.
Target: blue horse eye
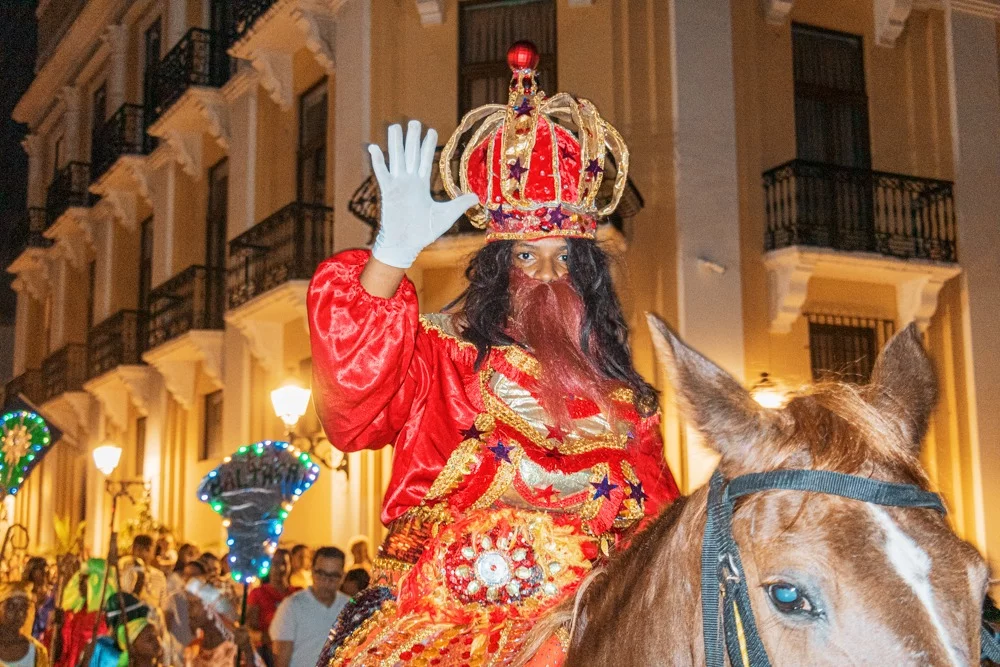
786,594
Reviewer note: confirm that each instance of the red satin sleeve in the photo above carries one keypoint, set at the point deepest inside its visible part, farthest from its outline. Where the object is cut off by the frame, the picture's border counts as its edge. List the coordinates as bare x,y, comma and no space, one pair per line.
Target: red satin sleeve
651,467
366,370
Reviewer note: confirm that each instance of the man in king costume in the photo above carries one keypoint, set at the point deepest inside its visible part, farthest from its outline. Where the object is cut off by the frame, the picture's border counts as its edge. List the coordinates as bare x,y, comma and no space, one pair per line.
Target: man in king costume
527,447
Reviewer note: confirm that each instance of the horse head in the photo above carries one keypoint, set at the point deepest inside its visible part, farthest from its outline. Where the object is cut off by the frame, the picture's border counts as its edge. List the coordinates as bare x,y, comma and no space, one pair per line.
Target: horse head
831,580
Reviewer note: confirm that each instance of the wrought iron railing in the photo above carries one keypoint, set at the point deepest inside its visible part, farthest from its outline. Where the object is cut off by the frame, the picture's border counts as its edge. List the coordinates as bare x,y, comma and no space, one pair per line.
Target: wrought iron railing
68,188
287,245
117,341
64,370
190,300
122,134
28,384
246,12
198,59
366,201
859,210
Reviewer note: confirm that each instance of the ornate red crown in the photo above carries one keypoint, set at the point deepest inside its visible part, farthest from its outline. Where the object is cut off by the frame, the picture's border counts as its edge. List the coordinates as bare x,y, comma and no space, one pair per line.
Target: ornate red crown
534,177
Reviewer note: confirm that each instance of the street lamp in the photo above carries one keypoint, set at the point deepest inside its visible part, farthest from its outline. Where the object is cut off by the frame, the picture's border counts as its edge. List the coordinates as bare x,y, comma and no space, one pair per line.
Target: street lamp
106,458
290,402
767,393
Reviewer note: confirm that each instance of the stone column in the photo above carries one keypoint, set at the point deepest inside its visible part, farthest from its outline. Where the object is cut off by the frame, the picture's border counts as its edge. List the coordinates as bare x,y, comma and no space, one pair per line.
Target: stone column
241,94
70,97
116,37
710,309
973,63
34,146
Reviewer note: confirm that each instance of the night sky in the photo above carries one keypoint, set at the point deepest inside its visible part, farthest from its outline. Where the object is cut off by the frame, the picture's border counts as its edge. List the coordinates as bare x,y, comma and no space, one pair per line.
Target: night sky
17,64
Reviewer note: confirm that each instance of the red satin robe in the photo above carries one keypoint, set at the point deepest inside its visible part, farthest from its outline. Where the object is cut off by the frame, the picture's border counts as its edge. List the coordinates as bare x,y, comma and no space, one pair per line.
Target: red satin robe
495,515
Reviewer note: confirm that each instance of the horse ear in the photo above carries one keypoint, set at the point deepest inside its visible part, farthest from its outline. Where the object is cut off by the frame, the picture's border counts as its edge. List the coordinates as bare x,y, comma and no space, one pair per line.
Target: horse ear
904,386
717,405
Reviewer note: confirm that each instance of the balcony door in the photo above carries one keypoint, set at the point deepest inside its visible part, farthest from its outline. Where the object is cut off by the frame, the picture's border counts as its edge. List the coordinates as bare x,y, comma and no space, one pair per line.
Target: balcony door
831,128
216,235
312,145
151,62
145,264
99,111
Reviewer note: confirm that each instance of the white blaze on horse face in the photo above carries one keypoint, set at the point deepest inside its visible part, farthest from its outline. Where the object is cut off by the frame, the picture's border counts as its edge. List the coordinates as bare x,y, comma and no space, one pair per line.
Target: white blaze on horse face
913,566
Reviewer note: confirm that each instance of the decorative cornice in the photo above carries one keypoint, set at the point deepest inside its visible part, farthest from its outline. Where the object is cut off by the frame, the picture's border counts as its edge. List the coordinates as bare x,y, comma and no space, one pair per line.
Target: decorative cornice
73,237
890,20
199,111
283,29
262,320
178,362
432,11
121,386
320,31
776,12
244,82
32,270
275,71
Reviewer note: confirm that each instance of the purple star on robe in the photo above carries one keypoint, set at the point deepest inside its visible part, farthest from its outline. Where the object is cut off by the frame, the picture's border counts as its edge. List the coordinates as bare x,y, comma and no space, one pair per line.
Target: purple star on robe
638,494
517,170
501,451
603,488
471,433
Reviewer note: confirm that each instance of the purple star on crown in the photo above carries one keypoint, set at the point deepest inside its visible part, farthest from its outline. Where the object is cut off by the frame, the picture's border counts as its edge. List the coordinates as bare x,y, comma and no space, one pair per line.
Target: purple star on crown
517,170
603,488
498,216
557,217
637,494
524,108
501,452
593,168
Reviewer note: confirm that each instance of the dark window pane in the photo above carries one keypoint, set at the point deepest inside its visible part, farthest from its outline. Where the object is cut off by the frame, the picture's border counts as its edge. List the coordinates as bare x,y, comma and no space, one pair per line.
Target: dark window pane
145,263
312,145
140,446
486,31
844,348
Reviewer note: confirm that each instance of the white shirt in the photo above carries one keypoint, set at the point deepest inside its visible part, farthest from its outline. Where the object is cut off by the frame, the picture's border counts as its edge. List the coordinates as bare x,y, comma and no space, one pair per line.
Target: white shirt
306,622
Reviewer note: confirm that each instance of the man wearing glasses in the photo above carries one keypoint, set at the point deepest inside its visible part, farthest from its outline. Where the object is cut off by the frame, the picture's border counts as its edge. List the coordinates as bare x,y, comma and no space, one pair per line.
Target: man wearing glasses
304,619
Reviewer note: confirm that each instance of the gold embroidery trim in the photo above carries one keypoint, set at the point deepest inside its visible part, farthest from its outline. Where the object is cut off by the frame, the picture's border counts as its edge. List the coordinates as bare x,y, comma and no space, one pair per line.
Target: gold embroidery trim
461,461
523,361
504,413
501,481
361,633
592,505
430,326
390,564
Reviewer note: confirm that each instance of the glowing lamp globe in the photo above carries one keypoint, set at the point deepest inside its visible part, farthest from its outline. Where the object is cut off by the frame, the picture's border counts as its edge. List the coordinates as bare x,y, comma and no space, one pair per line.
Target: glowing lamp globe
522,55
106,458
768,394
290,402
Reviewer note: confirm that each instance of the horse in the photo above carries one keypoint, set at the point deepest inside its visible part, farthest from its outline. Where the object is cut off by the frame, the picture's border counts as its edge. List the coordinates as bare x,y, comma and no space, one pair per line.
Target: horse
827,578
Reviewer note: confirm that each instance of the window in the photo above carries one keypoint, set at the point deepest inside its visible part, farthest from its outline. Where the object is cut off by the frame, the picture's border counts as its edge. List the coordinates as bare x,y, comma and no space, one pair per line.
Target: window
486,30
58,154
98,111
145,263
845,348
312,145
140,447
211,445
831,105
151,61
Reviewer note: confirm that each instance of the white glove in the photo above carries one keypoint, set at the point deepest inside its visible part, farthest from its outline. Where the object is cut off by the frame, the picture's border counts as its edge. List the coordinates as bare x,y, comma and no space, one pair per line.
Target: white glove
411,220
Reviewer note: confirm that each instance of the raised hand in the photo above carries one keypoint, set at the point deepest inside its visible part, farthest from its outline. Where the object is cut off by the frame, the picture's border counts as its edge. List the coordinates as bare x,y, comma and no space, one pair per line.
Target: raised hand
411,220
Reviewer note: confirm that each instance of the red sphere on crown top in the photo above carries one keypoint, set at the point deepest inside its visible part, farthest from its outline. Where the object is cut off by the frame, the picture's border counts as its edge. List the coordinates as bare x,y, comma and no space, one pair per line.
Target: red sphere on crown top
522,55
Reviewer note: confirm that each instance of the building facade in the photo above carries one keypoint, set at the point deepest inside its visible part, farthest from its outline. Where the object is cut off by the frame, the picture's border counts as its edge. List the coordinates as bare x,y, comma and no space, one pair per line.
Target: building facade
806,178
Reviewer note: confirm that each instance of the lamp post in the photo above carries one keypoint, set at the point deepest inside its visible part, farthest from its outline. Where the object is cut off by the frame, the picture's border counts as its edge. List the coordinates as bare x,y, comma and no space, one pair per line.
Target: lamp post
106,458
290,402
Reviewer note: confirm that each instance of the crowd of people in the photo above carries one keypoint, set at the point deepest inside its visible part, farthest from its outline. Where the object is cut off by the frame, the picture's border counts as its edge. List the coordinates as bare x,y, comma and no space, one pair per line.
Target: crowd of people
177,608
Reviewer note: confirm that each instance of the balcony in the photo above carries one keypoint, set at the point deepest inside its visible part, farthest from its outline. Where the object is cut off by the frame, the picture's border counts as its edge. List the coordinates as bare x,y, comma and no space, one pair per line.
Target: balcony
64,371
288,245
246,12
191,300
859,210
28,384
68,188
859,226
123,134
119,340
198,59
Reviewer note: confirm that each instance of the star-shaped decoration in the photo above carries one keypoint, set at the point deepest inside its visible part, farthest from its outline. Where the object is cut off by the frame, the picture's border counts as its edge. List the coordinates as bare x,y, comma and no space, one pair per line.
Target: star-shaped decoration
471,433
637,494
603,488
555,433
547,494
498,216
594,168
557,217
524,108
501,452
517,170
553,454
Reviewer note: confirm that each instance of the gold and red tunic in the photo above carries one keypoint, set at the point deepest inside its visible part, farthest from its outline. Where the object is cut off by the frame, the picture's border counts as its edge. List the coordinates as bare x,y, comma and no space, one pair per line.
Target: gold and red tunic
495,514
